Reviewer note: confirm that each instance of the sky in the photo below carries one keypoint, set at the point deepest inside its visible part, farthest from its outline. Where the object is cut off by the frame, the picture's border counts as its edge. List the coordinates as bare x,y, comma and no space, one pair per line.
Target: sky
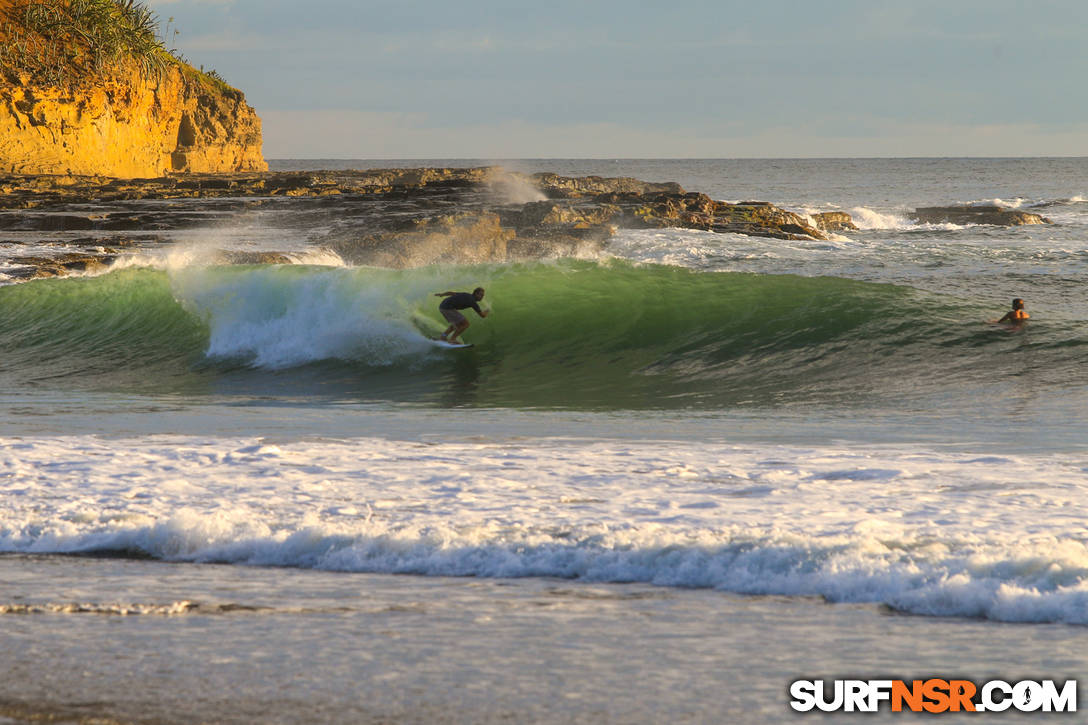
502,79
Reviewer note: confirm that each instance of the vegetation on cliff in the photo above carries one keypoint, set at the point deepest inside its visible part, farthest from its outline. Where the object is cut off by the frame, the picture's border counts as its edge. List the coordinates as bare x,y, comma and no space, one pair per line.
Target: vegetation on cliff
69,42
90,87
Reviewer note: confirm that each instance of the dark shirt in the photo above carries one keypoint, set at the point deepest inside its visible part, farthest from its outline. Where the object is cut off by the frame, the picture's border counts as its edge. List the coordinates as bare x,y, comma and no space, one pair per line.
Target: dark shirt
460,301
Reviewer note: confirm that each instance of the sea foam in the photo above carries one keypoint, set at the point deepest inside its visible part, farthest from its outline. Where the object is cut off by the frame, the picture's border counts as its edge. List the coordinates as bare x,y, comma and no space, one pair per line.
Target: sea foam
951,534
276,317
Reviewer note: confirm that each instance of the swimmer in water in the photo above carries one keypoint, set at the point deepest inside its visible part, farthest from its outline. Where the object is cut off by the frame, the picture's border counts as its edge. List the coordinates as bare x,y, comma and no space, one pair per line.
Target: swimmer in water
1016,315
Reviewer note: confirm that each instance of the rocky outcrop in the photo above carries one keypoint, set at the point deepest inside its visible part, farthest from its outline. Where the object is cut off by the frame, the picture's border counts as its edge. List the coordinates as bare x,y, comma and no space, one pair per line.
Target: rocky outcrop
762,219
965,214
834,221
559,229
38,267
28,191
462,238
382,217
698,211
559,187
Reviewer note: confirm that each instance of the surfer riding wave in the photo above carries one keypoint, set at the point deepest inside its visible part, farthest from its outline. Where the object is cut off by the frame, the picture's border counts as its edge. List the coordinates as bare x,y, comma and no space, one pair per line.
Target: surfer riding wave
451,309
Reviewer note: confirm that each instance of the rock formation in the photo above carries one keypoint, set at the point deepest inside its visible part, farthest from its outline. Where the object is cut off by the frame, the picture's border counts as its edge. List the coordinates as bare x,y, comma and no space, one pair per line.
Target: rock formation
120,119
967,214
834,221
382,217
460,238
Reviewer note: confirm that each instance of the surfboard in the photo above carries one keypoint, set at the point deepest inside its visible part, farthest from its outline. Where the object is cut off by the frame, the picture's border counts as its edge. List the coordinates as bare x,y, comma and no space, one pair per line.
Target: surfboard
450,345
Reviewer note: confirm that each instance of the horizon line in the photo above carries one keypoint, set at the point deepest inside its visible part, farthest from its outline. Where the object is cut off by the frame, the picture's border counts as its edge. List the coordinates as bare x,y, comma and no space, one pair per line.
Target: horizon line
660,158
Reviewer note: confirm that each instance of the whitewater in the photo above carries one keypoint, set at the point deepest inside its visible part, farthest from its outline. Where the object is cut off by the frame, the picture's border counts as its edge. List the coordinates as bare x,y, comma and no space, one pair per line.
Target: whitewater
668,479
949,535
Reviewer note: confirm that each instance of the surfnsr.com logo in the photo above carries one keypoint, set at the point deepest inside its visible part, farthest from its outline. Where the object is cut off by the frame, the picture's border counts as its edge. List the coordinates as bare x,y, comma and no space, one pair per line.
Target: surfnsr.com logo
933,695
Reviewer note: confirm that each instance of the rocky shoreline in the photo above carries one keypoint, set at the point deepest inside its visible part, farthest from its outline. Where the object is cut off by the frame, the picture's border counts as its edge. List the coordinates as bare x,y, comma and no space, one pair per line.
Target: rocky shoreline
382,217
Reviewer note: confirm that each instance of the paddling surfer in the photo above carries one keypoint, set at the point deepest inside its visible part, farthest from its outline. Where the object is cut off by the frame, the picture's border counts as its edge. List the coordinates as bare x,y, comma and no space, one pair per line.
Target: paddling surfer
451,309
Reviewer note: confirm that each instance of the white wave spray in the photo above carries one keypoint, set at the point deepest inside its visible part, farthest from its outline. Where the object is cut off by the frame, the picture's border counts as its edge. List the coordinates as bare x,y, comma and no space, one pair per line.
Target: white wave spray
282,316
924,532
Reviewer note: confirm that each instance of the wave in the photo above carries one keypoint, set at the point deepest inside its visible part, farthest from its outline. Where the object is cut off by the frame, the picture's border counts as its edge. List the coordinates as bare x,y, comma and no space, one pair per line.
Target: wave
1040,582
602,334
998,202
1067,201
930,532
868,219
80,328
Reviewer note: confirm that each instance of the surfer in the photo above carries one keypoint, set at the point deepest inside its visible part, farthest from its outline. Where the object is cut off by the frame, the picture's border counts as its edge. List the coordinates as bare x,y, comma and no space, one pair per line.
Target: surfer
1016,315
451,309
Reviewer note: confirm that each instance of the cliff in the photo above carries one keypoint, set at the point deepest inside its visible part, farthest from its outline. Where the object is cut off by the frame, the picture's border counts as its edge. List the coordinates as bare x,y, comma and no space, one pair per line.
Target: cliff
66,111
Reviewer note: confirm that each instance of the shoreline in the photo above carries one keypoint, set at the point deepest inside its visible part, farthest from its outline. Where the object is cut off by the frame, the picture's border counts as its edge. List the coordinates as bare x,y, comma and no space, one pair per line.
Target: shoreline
406,649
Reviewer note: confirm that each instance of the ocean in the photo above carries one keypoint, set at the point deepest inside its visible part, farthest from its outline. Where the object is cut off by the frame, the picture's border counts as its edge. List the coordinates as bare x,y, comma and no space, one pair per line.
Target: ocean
667,481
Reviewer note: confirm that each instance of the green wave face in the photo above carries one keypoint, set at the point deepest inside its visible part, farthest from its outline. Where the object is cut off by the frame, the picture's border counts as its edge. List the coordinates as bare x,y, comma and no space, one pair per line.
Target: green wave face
651,335
564,335
124,326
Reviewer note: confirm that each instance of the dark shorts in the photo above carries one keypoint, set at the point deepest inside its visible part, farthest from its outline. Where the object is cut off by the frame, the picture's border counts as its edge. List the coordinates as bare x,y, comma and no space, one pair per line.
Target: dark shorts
454,317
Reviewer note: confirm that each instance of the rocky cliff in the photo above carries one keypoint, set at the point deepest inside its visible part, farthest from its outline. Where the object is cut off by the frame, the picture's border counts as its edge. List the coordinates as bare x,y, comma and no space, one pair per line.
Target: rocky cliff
117,119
